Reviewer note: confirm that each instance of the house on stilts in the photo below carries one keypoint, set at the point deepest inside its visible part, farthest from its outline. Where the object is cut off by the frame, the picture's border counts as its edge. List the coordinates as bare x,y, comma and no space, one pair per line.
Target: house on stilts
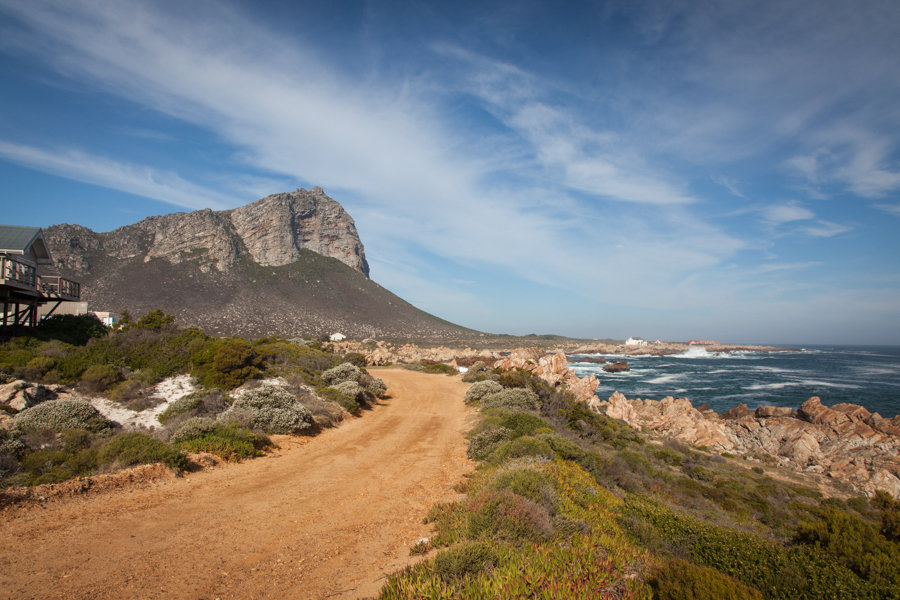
22,288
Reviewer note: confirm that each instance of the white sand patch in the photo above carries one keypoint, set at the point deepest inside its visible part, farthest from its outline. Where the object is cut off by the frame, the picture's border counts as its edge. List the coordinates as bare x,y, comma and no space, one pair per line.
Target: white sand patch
169,390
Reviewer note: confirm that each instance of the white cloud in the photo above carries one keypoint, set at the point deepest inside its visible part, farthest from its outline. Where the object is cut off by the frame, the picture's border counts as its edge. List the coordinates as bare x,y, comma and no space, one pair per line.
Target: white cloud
893,209
778,214
825,229
143,181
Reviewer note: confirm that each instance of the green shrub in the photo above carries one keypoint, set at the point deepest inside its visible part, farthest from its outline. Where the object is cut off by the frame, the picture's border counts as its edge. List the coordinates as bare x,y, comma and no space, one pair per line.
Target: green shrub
564,448
348,403
503,515
440,369
523,423
138,448
777,571
680,580
37,367
97,378
271,409
480,389
854,544
486,441
515,399
529,483
179,407
193,428
520,447
343,372
355,358
230,442
59,415
52,465
71,329
233,363
463,559
155,319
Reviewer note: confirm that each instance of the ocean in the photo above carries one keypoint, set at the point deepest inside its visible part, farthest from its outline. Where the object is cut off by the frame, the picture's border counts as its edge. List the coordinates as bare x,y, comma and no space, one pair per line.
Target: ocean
865,375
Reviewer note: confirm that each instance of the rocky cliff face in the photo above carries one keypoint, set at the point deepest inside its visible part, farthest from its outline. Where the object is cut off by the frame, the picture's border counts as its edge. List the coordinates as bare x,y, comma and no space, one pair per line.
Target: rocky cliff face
271,232
289,264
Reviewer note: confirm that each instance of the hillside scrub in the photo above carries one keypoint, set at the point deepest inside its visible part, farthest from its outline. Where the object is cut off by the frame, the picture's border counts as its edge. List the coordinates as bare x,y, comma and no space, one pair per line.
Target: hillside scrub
655,517
125,364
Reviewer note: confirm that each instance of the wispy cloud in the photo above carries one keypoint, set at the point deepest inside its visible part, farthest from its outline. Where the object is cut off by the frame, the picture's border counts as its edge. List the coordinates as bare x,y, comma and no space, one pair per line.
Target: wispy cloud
893,209
143,181
778,214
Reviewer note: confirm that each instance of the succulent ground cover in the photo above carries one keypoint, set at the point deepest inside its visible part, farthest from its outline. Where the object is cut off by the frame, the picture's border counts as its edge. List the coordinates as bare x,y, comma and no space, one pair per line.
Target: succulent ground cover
567,503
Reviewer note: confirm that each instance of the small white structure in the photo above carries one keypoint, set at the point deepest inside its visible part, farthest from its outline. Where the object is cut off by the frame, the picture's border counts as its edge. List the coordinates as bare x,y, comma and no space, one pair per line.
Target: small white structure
635,341
337,337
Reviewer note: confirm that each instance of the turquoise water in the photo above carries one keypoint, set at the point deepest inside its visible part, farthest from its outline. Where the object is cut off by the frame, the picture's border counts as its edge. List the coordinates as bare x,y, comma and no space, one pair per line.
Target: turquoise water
865,375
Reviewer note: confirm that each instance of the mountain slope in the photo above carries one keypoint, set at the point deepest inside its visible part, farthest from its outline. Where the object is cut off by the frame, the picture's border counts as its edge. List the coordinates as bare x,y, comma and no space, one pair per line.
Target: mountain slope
289,264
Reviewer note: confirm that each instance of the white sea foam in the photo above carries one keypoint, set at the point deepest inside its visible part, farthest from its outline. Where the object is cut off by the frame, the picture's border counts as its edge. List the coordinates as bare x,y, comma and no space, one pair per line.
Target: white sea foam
666,378
804,383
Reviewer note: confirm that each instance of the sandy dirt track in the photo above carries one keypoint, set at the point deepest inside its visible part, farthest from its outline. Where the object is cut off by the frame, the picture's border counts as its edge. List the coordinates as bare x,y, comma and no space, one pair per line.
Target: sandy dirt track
323,517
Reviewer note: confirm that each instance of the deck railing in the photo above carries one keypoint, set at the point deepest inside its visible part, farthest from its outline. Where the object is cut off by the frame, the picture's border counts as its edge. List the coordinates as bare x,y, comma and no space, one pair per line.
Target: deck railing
17,272
60,287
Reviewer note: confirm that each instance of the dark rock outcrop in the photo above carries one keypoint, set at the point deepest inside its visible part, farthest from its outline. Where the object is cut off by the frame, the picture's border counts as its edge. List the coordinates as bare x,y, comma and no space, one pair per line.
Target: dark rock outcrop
617,367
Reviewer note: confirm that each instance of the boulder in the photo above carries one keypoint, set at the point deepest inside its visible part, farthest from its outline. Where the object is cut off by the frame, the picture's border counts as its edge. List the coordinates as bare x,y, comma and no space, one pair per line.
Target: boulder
617,367
764,412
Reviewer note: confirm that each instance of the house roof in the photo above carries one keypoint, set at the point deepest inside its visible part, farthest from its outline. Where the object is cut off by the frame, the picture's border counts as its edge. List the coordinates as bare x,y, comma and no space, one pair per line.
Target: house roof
20,240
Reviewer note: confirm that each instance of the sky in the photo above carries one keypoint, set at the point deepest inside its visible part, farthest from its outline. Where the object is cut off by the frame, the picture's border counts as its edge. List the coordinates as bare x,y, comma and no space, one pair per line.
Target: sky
675,169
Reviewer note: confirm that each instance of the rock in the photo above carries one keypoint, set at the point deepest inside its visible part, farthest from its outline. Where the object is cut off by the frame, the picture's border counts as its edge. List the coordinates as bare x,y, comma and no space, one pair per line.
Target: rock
845,442
764,412
10,390
618,407
30,394
741,410
271,231
617,367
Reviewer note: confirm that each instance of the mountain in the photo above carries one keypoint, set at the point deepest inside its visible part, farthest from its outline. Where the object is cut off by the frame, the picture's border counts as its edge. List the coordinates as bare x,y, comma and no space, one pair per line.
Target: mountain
288,264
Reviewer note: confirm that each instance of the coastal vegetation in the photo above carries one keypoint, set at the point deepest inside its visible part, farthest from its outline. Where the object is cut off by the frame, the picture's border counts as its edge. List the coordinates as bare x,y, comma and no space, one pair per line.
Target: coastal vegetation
567,502
244,391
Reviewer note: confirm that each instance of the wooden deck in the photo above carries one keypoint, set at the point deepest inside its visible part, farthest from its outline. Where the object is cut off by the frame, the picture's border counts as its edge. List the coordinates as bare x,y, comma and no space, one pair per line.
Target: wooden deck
22,290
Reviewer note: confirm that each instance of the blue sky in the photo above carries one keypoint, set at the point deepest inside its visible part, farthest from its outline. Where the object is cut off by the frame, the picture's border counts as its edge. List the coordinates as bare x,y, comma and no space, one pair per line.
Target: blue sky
675,170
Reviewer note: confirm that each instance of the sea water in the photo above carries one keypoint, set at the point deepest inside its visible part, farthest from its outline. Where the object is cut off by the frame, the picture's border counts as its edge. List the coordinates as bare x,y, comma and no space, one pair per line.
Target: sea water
864,375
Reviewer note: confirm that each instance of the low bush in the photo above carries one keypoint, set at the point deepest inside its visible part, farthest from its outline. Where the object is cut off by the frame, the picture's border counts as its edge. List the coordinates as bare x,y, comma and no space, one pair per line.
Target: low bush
480,389
97,378
271,409
193,428
483,443
477,372
564,448
523,423
60,415
440,369
230,442
343,372
521,447
528,482
138,448
376,387
681,580
503,515
347,402
464,559
514,399
179,407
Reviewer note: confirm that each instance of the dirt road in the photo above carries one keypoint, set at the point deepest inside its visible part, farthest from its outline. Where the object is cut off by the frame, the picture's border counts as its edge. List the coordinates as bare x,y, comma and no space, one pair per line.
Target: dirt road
324,517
